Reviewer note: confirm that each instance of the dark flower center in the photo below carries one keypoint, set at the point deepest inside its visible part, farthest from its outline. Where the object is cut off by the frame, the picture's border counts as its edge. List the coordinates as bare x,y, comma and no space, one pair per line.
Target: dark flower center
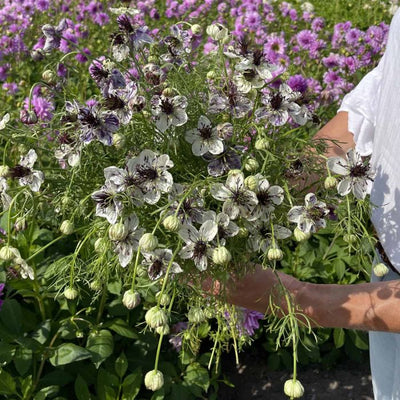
200,249
316,213
98,73
359,171
244,44
276,101
117,39
124,24
114,103
263,198
86,117
19,171
155,269
205,132
264,232
103,198
167,107
249,74
258,56
145,174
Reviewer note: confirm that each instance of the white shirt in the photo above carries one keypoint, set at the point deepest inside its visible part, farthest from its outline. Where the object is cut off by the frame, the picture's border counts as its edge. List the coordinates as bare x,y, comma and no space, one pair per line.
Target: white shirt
374,118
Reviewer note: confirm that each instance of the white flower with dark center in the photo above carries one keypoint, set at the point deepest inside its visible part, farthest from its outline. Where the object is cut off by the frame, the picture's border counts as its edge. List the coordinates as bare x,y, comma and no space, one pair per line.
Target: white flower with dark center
226,228
125,247
169,111
311,217
198,243
204,138
268,197
260,237
25,174
278,106
158,261
149,172
238,200
107,77
358,176
108,201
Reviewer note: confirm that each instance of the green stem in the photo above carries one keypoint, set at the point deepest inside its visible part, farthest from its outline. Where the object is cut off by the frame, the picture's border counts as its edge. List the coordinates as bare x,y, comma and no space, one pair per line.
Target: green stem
158,351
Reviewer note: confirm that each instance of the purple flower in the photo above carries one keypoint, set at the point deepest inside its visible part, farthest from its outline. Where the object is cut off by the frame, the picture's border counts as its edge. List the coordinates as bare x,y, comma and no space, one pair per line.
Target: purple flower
53,35
42,107
306,39
251,320
298,83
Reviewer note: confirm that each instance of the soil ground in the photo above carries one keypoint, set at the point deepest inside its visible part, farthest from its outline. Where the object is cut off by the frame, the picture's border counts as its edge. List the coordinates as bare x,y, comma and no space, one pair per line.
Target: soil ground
253,381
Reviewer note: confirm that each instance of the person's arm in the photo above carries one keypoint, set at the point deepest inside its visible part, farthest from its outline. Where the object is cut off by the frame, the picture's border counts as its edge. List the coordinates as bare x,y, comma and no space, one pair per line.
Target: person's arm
365,306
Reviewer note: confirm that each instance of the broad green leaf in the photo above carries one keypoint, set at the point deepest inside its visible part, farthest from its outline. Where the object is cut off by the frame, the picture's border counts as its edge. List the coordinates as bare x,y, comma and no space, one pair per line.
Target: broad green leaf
11,316
105,382
7,352
68,353
122,328
340,268
197,375
23,360
158,395
81,389
131,384
43,331
56,377
114,287
101,345
184,393
359,338
29,343
7,383
338,337
26,385
121,365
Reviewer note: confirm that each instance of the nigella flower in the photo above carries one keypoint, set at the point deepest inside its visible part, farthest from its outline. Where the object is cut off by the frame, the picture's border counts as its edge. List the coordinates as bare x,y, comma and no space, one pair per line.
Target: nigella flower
53,35
228,160
226,228
177,43
204,138
157,263
198,243
311,217
279,105
96,124
358,176
25,174
260,237
268,197
238,200
107,77
169,111
125,247
108,201
68,154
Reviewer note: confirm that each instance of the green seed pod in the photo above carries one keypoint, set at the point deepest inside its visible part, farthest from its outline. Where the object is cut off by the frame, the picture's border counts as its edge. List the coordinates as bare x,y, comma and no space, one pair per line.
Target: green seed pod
4,170
300,236
349,238
148,242
164,298
117,232
154,380
381,270
20,224
221,255
131,299
172,223
156,317
251,165
196,315
70,293
67,227
211,75
261,144
251,182
275,254
49,76
293,389
163,330
168,92
95,285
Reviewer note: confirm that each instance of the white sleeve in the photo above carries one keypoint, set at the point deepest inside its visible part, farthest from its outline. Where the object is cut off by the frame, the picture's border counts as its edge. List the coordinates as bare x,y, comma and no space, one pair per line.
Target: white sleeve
361,105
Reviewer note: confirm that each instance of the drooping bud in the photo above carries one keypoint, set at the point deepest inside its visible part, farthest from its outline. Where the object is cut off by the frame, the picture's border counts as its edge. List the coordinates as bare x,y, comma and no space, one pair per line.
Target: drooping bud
164,298
100,245
4,170
117,231
293,389
381,270
163,330
211,75
154,380
67,227
349,238
148,242
20,224
251,182
49,76
196,29
156,317
131,299
118,140
8,253
95,285
330,182
221,256
172,223
28,117
251,165
196,315
70,293
300,236
275,254
261,144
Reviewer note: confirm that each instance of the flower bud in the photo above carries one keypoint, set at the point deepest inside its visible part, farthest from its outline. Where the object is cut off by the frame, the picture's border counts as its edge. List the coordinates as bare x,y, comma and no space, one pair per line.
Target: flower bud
70,293
251,165
156,317
79,334
118,141
154,380
211,75
8,253
95,285
261,144
48,76
349,238
293,389
67,227
164,298
196,315
300,236
172,223
168,92
234,172
221,256
28,117
148,242
275,254
131,299
163,330
330,182
243,232
20,224
196,29
37,55
381,270
100,245
4,170
117,231
225,130
251,182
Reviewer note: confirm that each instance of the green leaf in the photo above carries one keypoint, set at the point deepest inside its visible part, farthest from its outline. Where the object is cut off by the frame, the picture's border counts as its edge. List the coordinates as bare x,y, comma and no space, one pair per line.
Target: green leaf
68,353
43,331
7,352
81,389
56,377
338,337
105,382
131,384
197,375
114,287
11,316
122,328
360,339
121,365
158,395
182,393
101,345
26,385
7,383
23,360
340,268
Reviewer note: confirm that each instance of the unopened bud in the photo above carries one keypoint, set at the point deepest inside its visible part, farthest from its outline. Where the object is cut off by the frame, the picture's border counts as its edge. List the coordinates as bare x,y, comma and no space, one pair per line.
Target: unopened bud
330,182
261,144
131,299
251,182
196,315
148,242
100,245
20,224
8,253
172,223
164,298
168,92
300,236
117,231
67,227
154,380
118,141
349,238
4,170
211,75
163,330
293,389
49,76
95,285
251,165
70,293
381,270
221,256
28,117
156,317
196,29
275,254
